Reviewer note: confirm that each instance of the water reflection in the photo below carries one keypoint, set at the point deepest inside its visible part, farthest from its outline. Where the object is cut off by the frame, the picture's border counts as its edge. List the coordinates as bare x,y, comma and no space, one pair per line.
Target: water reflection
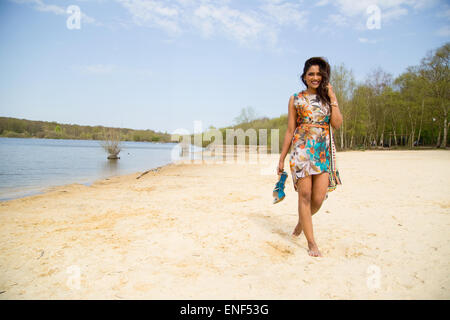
110,167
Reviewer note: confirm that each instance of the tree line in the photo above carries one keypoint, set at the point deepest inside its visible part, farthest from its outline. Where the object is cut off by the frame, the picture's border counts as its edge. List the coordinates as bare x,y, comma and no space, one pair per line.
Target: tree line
410,110
22,128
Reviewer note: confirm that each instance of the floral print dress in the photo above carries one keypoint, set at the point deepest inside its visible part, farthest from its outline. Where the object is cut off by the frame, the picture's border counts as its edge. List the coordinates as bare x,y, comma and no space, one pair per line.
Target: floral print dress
311,141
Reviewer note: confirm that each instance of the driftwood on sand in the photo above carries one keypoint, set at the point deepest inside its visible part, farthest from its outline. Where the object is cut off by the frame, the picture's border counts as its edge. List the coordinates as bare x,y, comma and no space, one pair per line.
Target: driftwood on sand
155,169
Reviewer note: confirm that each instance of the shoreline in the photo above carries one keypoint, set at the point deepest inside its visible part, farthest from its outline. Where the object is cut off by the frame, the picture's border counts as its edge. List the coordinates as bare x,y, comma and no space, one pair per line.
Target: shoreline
42,190
45,189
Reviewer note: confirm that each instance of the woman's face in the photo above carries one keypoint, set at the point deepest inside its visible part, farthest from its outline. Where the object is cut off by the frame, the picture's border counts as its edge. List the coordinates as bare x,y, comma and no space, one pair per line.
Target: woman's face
313,77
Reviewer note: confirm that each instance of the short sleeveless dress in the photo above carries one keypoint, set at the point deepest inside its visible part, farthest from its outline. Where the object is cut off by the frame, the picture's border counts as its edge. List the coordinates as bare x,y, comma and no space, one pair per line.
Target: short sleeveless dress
313,150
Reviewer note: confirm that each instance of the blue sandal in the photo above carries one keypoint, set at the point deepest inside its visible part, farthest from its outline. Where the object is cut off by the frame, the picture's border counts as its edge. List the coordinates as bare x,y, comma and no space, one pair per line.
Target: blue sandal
278,192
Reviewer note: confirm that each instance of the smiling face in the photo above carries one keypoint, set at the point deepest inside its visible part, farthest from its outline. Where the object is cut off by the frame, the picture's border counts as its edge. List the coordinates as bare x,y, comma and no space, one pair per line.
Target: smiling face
313,77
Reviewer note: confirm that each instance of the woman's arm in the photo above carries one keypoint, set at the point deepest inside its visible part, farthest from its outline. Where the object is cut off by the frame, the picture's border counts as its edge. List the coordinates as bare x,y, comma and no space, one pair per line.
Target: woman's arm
336,116
289,133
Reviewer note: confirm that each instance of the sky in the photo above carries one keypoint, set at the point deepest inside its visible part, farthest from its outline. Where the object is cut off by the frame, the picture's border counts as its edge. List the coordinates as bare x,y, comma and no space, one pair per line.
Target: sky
163,64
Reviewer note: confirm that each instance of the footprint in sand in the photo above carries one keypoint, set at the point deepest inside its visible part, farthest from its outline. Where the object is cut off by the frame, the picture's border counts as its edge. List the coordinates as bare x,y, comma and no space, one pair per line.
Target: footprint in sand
278,249
349,248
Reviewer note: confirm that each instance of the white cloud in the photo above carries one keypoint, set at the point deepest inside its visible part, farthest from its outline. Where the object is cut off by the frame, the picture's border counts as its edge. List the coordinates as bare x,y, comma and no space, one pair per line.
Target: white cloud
338,20
241,26
285,13
365,40
394,13
218,17
420,4
39,5
154,13
322,3
390,9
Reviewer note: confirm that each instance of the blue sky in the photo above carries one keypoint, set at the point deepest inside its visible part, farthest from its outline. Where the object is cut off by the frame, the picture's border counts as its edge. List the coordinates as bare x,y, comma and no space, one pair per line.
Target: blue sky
160,65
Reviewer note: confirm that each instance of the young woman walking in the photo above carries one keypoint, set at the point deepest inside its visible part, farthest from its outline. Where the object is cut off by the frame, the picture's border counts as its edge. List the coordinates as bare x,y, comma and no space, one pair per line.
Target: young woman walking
312,160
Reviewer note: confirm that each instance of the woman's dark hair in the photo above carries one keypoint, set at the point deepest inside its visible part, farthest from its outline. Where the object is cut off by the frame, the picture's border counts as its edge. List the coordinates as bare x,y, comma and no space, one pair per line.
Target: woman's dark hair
324,70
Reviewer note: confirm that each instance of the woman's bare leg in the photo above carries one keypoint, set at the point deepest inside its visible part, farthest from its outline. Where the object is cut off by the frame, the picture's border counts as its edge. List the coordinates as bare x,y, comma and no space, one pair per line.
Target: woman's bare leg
303,189
319,185
319,191
305,219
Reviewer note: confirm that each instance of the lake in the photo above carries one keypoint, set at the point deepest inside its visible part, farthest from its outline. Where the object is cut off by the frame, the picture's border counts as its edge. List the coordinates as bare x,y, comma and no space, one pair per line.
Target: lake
29,166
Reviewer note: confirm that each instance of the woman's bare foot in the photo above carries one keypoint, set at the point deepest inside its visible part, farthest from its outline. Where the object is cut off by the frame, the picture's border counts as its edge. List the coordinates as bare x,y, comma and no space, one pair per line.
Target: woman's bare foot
313,250
298,230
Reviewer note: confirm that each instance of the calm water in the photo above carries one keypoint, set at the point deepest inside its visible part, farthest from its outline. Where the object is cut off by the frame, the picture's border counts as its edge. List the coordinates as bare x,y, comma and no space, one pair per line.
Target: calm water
29,166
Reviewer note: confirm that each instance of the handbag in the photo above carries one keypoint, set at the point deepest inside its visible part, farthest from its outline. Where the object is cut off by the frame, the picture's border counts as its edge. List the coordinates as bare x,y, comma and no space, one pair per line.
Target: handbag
333,178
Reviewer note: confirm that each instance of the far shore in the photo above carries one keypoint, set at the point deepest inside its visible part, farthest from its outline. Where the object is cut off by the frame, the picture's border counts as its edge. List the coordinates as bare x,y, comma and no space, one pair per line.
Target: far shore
209,230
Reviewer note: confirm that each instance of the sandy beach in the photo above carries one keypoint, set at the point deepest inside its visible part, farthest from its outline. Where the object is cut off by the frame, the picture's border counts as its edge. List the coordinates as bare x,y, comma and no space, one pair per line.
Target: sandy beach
210,231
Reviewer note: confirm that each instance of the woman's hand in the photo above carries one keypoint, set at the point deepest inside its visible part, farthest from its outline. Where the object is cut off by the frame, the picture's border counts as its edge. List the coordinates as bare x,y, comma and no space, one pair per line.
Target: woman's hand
331,92
280,167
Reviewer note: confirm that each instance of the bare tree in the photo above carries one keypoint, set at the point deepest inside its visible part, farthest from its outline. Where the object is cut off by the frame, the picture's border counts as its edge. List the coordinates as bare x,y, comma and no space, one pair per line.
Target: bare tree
111,142
247,115
343,83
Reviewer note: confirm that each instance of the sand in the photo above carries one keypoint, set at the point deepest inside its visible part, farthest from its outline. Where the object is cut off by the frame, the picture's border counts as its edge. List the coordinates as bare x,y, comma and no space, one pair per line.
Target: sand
210,231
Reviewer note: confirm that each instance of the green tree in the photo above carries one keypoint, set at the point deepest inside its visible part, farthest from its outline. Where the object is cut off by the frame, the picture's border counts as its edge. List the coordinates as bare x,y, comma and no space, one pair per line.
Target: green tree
434,69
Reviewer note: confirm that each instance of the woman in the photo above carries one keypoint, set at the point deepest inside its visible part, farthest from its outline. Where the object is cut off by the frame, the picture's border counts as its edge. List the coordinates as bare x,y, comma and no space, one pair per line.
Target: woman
312,161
